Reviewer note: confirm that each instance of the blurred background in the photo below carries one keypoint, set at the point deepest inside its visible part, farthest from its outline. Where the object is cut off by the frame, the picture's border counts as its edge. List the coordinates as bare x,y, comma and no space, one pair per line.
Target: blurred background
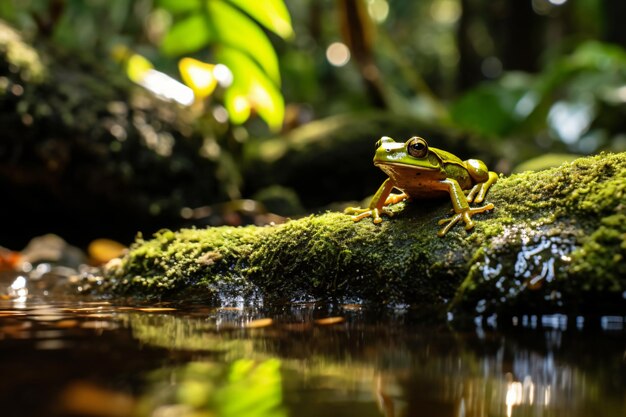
127,116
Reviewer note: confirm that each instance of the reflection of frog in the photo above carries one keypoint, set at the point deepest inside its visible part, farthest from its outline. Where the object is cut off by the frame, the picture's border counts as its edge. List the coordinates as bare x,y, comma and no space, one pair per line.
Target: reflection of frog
423,172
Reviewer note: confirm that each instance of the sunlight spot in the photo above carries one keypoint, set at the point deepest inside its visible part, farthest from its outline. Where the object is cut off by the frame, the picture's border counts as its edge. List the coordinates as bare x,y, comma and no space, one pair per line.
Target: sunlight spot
17,90
570,120
259,323
198,75
260,97
513,396
165,86
118,132
541,7
241,103
529,389
621,93
18,290
491,67
526,105
338,54
612,323
220,114
223,75
238,106
378,10
445,11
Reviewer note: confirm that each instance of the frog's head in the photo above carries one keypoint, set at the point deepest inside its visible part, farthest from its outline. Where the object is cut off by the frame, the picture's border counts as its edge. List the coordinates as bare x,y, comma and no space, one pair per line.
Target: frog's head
413,153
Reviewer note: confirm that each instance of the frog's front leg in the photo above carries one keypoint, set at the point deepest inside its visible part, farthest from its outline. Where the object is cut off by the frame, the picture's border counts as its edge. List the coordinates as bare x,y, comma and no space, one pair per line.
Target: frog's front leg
382,198
461,208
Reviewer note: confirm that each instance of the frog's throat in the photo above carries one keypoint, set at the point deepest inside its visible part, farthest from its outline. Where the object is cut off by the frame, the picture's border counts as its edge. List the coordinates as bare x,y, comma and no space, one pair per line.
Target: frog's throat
381,164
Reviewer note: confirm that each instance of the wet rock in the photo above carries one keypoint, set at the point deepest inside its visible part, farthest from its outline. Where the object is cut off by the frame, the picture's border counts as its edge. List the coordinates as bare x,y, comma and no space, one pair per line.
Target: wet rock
53,249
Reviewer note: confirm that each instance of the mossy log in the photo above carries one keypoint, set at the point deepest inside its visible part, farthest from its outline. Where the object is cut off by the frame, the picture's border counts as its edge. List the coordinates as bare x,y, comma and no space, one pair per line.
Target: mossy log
555,242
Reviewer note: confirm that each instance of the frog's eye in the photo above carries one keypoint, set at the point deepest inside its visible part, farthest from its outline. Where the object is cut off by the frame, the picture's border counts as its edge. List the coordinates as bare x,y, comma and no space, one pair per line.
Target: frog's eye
417,147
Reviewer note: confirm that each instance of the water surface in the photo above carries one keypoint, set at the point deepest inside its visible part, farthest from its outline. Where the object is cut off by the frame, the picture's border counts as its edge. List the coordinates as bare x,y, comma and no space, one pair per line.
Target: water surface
74,357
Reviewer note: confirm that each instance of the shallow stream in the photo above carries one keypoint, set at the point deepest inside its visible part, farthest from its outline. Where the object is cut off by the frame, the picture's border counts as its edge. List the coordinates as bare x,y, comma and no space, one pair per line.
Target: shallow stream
73,356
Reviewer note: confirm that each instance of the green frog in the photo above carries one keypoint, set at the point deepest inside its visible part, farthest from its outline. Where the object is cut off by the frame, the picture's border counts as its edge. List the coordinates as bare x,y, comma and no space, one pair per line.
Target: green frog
420,171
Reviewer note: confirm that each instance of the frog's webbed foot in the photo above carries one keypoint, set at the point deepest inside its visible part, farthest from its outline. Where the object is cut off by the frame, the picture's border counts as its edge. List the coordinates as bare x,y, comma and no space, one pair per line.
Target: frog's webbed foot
466,215
378,209
395,198
362,213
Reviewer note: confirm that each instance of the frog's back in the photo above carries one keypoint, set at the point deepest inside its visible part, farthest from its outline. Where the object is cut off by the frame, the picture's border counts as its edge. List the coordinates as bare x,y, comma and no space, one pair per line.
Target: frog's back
446,156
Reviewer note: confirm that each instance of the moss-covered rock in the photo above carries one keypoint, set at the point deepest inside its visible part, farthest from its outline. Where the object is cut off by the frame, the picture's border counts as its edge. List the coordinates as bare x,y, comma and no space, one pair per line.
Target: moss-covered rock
555,242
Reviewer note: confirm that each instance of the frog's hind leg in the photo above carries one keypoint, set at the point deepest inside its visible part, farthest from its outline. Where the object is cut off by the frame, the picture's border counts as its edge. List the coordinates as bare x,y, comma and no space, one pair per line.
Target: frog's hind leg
479,191
461,208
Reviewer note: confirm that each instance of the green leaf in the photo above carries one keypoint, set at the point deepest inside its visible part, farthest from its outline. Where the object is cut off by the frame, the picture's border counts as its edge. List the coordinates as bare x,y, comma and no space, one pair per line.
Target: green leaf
489,109
188,35
600,56
251,83
272,14
235,29
180,6
237,105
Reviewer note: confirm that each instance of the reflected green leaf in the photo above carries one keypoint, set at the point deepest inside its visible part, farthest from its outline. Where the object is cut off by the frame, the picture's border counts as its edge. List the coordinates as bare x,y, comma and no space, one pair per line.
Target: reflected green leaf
251,82
272,14
180,6
235,29
242,388
188,35
254,389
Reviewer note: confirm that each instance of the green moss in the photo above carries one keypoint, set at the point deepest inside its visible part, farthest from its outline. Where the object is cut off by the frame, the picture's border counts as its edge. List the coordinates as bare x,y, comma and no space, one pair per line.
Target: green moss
550,160
602,257
167,263
555,238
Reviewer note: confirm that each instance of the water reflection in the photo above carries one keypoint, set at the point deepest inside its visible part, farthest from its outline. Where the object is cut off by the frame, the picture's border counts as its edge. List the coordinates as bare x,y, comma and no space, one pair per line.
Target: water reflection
105,359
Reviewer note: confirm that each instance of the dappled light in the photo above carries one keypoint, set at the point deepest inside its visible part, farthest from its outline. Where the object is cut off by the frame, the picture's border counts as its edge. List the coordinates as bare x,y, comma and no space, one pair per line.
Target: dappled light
338,54
275,208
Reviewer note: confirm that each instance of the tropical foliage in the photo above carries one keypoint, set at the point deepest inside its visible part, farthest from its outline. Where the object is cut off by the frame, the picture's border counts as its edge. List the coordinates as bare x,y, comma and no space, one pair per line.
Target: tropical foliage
234,29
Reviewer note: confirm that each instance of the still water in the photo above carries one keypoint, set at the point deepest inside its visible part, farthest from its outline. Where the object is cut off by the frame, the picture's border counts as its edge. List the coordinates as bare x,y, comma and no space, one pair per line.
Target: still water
75,357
